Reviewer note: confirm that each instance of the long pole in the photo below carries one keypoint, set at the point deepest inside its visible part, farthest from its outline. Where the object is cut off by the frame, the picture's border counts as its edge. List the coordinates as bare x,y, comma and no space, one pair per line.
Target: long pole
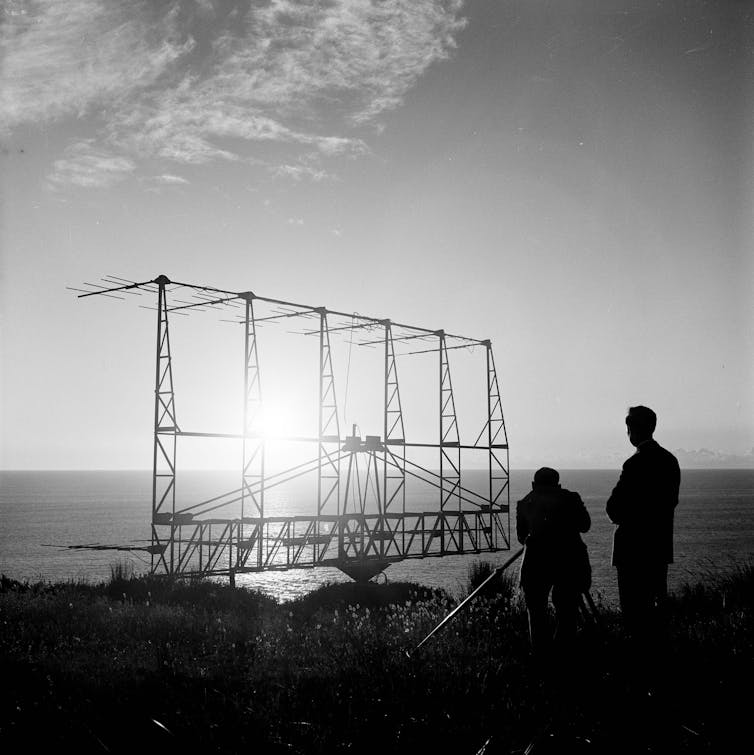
471,596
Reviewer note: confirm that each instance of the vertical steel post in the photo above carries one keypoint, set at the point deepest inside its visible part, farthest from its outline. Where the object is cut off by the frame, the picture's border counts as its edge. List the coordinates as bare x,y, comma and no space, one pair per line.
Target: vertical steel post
165,429
449,439
328,430
441,335
253,443
393,433
384,442
489,438
155,537
320,410
497,443
245,426
245,415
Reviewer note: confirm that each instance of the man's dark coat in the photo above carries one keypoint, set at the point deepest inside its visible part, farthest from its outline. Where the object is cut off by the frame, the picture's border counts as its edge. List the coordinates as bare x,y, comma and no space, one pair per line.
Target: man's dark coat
549,521
642,505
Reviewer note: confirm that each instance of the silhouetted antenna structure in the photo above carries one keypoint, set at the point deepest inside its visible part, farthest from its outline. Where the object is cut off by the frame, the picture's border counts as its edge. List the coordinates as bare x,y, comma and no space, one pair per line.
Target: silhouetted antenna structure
360,522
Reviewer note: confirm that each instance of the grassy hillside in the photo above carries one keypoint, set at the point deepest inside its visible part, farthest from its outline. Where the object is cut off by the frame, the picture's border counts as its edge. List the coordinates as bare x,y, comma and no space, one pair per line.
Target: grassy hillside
151,665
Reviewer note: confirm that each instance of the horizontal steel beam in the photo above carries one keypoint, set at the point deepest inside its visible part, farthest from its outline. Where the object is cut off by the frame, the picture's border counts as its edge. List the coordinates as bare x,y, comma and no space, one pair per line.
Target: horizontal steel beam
208,546
324,439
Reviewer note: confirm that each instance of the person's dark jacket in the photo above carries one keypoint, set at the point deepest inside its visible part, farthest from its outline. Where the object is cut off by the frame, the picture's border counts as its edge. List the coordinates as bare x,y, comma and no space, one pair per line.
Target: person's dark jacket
642,504
549,521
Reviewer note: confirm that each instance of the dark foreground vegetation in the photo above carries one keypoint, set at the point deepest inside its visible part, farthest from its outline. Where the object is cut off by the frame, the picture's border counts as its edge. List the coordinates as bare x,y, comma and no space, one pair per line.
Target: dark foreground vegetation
145,665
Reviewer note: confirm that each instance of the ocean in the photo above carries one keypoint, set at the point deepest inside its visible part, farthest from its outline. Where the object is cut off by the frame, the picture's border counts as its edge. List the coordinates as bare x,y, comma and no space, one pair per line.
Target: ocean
44,512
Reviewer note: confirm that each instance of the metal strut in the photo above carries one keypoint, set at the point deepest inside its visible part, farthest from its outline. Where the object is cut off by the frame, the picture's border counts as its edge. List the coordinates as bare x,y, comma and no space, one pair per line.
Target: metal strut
165,437
497,444
253,448
328,431
394,434
450,451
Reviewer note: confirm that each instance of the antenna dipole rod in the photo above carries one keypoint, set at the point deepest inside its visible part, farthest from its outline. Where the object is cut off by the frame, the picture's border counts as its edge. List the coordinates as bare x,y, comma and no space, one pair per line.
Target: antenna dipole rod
117,288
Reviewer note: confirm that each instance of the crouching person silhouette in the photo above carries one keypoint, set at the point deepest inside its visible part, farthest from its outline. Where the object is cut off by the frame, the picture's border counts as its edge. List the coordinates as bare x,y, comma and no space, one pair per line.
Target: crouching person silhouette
549,521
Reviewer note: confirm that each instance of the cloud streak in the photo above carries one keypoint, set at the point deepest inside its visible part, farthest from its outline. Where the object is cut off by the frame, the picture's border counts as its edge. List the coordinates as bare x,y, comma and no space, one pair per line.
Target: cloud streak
191,83
86,165
167,178
66,59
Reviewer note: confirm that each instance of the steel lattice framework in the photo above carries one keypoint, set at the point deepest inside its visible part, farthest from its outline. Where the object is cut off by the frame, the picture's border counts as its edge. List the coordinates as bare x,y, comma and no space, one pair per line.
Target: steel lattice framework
359,522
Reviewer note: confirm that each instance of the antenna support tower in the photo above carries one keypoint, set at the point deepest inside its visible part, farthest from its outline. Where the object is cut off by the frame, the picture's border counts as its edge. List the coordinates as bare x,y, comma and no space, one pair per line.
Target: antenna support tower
359,520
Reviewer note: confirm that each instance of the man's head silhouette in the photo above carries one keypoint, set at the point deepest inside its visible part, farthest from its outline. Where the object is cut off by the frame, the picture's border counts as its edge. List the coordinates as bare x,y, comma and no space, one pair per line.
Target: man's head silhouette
545,477
640,424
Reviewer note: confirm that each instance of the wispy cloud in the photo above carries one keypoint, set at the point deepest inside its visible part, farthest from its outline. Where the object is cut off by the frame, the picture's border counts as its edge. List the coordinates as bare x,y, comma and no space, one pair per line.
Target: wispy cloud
68,59
299,172
169,179
85,164
194,82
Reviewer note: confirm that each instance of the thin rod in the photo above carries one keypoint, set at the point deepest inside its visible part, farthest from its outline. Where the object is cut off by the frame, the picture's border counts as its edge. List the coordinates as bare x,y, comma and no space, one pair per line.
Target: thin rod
475,447
447,348
471,596
309,463
266,487
395,463
118,288
258,436
422,336
207,303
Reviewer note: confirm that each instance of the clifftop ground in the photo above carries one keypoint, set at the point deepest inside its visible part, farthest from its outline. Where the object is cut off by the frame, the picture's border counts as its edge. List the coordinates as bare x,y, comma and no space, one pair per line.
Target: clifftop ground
141,664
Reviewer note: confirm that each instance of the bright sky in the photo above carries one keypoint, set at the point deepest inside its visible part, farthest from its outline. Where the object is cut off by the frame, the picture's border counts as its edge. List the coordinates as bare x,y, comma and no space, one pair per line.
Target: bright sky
572,180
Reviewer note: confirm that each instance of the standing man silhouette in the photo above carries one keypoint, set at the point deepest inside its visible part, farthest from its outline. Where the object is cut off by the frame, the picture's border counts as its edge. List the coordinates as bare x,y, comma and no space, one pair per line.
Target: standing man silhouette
549,521
642,505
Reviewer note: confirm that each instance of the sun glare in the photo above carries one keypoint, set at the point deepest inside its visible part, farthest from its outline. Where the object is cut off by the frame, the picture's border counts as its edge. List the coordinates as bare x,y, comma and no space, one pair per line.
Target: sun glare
277,421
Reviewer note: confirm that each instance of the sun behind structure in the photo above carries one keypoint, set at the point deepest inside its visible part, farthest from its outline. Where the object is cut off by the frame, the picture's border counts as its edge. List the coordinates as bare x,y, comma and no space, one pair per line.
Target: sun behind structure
277,420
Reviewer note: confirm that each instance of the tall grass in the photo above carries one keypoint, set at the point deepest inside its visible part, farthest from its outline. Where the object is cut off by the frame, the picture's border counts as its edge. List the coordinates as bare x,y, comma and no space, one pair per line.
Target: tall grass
504,587
155,664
